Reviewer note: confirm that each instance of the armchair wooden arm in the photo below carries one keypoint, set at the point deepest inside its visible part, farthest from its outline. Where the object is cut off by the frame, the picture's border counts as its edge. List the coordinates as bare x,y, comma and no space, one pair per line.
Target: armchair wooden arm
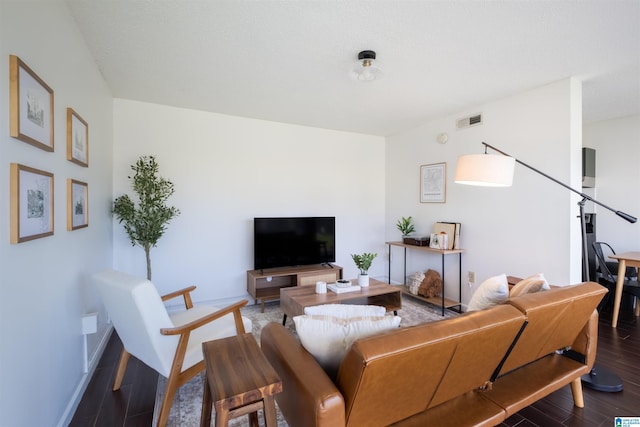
185,293
188,327
177,376
139,314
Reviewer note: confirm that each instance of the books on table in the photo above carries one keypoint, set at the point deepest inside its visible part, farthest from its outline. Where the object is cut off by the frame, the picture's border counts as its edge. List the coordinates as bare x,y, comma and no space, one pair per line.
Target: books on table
333,287
453,231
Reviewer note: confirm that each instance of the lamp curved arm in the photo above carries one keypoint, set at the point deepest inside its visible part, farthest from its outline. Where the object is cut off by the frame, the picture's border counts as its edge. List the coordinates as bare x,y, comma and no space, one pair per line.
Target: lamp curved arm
623,215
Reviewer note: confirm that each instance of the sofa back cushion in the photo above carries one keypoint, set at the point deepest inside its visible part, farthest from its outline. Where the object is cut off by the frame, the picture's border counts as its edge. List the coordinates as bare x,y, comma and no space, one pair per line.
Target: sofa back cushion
555,319
394,375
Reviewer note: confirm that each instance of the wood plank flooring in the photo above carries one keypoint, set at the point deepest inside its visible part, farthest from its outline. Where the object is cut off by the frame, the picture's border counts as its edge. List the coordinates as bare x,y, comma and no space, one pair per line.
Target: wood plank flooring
618,351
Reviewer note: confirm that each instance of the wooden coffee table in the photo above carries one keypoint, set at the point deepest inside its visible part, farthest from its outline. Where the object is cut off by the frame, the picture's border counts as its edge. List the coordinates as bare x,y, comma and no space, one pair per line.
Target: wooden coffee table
293,300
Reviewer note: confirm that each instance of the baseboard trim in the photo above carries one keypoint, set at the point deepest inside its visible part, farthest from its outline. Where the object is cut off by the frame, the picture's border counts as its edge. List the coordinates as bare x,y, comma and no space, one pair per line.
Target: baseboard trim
67,416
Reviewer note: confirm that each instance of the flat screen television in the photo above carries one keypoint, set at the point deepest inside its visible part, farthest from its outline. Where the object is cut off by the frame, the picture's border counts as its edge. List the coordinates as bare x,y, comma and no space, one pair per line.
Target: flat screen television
290,242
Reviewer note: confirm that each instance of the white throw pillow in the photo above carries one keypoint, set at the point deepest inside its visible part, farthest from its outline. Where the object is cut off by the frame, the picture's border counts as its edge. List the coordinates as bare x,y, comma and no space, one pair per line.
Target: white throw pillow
493,291
328,338
530,285
345,311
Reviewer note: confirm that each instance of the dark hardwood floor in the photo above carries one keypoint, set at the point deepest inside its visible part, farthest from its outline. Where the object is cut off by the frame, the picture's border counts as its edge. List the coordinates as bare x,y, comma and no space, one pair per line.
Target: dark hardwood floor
618,352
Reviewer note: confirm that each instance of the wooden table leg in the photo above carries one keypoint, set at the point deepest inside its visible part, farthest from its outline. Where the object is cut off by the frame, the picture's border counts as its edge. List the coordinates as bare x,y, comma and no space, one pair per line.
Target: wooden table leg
205,416
222,417
270,411
622,268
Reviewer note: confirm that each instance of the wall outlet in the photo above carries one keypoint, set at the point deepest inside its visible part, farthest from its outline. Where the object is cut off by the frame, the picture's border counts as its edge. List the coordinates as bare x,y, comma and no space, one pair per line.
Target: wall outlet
89,323
472,277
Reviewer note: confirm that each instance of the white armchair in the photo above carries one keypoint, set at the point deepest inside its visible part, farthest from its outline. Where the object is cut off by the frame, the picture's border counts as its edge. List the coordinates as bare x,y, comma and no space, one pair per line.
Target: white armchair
170,344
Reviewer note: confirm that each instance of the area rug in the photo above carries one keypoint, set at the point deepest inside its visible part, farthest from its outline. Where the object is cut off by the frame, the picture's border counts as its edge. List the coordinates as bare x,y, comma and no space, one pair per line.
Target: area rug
187,403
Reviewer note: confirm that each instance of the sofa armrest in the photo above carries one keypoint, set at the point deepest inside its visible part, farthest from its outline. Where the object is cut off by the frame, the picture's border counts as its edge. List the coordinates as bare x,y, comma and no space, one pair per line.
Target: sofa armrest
586,343
309,397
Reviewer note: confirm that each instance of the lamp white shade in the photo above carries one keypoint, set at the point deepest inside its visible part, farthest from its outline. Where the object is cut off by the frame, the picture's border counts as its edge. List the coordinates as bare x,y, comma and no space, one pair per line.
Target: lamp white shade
487,170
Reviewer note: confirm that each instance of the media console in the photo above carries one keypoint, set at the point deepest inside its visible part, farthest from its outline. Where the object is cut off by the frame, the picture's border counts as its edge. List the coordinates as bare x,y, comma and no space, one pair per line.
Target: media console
265,284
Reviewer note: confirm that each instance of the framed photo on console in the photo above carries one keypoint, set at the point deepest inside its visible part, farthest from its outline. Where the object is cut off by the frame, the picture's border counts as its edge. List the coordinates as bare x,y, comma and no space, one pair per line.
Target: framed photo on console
31,106
31,210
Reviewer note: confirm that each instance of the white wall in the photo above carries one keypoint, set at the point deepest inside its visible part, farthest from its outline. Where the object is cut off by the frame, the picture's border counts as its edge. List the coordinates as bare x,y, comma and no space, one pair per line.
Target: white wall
617,145
43,283
228,170
528,228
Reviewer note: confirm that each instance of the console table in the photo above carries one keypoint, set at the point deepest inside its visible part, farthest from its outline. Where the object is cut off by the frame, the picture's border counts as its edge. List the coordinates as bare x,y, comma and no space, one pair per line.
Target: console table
445,303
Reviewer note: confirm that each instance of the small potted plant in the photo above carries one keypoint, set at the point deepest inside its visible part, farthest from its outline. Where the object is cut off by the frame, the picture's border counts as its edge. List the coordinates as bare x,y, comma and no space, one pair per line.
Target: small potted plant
406,227
363,262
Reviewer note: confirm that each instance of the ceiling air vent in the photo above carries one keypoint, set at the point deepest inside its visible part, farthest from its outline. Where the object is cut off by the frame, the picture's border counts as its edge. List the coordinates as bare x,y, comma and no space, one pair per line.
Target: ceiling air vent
469,121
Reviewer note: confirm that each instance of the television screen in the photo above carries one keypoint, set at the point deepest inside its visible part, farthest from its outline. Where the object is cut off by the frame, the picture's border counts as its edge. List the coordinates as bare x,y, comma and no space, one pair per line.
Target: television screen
289,242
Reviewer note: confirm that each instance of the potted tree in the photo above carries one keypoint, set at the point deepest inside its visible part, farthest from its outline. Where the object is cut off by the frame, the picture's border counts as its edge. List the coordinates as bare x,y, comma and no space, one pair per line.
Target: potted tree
363,262
147,222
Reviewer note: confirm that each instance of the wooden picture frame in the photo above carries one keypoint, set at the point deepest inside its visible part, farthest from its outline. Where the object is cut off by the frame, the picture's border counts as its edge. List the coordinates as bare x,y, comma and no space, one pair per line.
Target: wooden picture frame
77,204
31,205
433,183
30,106
77,139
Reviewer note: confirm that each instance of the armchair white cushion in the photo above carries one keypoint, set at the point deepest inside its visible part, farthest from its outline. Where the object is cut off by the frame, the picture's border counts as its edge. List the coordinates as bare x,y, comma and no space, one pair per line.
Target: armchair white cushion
158,339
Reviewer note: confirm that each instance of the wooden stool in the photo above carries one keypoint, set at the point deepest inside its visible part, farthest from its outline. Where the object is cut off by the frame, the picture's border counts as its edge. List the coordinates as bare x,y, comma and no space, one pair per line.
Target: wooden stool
239,381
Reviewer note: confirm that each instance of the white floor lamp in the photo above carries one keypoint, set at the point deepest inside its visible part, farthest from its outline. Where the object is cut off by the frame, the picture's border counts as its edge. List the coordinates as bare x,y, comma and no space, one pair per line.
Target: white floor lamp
491,170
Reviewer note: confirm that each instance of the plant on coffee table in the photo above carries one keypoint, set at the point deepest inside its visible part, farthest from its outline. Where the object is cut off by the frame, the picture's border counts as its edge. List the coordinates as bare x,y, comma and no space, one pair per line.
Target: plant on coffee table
363,262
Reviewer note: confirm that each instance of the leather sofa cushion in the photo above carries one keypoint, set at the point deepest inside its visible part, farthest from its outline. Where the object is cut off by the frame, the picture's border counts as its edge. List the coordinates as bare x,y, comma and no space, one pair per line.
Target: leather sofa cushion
556,318
395,375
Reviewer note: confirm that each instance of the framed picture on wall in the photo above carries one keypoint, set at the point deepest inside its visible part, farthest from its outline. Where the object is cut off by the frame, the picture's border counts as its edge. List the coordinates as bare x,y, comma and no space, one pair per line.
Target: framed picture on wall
77,204
31,205
77,139
433,183
31,106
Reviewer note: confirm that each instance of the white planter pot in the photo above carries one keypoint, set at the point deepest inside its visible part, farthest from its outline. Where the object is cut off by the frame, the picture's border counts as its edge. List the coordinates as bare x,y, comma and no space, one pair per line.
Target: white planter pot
363,280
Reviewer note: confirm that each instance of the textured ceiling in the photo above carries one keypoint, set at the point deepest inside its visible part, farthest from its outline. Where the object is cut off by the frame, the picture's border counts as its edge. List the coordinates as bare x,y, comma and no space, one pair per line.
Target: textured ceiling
290,61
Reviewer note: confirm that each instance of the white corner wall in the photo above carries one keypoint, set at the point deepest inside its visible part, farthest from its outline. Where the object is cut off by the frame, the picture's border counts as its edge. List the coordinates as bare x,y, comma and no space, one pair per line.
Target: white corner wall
43,283
228,170
528,228
617,145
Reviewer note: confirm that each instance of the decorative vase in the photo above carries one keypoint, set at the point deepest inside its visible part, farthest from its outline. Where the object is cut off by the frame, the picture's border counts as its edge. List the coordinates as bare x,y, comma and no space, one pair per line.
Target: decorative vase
363,280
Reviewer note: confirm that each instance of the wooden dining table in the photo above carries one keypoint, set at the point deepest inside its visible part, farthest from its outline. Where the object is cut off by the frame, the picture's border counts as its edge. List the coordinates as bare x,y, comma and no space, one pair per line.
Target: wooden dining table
626,259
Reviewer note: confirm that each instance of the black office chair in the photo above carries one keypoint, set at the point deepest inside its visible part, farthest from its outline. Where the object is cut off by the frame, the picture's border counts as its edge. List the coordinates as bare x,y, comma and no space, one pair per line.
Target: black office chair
607,274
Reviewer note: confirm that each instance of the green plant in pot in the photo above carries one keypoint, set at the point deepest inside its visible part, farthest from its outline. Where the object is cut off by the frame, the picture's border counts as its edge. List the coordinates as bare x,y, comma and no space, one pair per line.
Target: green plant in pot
406,226
146,222
363,262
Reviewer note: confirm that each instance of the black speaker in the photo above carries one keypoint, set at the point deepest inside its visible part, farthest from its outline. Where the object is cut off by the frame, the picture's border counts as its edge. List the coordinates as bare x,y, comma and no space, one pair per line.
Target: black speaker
588,167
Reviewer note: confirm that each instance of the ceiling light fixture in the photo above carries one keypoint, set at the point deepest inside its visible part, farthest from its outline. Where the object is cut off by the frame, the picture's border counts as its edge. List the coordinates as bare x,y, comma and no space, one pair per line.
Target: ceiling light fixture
366,71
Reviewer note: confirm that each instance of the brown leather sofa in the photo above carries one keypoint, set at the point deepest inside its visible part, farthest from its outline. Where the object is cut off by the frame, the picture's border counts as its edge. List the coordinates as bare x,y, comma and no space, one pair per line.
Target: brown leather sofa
475,369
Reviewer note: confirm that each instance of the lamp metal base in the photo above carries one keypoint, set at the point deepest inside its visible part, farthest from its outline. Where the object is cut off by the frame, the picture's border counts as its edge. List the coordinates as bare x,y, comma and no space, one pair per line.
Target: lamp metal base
600,379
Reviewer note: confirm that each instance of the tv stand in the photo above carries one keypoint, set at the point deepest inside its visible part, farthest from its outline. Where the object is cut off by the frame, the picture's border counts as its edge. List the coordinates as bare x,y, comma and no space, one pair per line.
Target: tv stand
265,284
